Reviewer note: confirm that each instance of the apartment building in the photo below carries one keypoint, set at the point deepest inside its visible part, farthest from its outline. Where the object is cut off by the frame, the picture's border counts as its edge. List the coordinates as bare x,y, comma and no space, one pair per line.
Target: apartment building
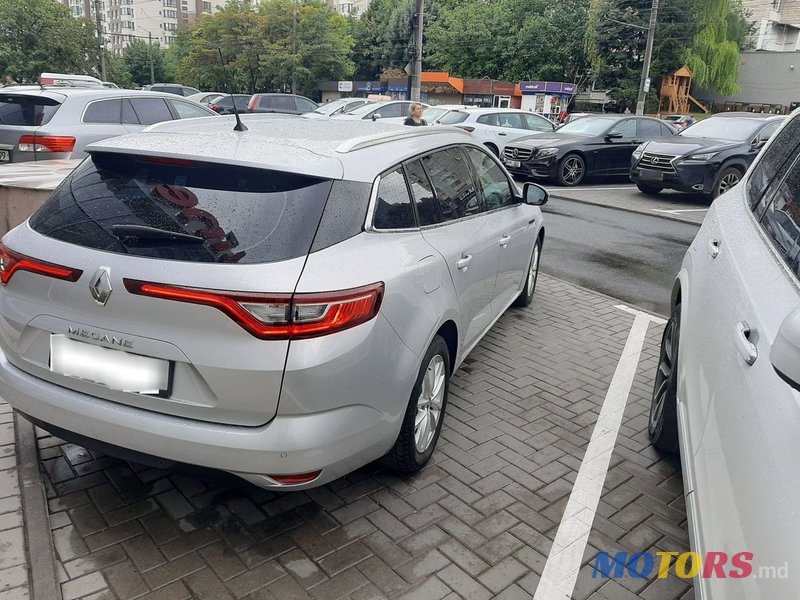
777,24
153,20
349,8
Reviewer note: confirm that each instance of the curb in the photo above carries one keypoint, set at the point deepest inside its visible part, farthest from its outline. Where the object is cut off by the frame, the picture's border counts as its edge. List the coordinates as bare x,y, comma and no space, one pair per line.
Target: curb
42,566
668,217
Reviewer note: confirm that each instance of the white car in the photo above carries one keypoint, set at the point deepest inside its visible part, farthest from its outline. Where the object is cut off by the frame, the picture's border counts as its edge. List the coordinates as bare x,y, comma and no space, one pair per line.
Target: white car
388,111
727,388
495,127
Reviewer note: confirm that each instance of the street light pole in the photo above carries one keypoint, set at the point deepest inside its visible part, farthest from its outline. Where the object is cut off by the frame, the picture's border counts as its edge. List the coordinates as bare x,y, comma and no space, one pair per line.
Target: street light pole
101,40
648,54
416,71
150,55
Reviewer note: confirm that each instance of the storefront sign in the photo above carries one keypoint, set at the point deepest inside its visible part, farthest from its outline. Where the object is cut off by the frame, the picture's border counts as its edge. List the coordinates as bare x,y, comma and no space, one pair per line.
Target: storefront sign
345,86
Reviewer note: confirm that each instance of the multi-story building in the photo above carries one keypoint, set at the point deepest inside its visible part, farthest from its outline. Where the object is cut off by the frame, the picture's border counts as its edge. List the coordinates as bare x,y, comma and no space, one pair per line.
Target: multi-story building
349,8
123,21
777,24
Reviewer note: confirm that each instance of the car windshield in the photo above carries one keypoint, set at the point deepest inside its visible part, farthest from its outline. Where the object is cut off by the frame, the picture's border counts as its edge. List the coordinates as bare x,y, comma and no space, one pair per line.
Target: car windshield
329,107
588,126
367,108
724,128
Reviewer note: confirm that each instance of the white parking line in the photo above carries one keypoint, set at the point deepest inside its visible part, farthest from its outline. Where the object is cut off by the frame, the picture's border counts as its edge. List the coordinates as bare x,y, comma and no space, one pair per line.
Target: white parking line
591,188
566,554
678,211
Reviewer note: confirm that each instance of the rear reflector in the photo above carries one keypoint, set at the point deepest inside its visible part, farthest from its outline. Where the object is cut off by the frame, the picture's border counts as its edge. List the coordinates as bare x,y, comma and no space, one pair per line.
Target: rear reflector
278,316
295,479
11,262
46,143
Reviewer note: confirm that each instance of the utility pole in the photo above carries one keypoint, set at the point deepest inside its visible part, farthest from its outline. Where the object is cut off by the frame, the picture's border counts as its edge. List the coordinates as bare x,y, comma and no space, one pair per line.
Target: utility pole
100,39
150,54
416,71
648,54
294,47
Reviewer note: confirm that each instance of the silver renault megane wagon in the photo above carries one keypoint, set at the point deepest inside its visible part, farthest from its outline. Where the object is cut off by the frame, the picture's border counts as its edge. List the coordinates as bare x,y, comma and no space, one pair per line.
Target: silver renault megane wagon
285,303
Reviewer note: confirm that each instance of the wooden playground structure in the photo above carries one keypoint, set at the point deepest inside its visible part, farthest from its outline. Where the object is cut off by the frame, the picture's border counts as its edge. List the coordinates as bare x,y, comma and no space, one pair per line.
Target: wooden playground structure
675,97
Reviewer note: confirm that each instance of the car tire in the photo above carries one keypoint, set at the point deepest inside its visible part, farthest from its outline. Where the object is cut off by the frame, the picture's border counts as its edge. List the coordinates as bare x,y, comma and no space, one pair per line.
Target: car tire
663,420
726,179
650,190
424,415
493,149
571,170
526,295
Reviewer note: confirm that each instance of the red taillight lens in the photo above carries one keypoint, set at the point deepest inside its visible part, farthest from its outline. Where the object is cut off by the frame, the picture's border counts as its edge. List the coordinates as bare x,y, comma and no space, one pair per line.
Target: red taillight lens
46,143
466,128
278,316
11,262
295,479
215,107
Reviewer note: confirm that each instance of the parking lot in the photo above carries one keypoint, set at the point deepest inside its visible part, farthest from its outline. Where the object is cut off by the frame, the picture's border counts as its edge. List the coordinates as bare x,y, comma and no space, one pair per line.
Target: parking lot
478,522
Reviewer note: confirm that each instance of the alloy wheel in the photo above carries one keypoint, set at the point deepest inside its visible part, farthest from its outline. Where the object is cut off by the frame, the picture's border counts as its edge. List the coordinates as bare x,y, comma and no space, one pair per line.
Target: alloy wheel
534,268
572,170
664,375
727,182
429,403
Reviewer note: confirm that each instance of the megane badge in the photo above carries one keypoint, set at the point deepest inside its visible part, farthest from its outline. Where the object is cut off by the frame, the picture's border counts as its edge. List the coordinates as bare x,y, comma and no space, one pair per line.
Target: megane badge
100,286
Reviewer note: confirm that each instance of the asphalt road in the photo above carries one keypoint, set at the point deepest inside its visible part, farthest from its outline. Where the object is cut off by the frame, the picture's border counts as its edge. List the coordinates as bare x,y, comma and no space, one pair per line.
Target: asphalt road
633,256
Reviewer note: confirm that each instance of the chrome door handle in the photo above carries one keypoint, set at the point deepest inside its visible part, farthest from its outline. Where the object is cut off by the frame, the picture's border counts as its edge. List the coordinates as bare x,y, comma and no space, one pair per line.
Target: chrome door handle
746,348
464,261
504,240
713,248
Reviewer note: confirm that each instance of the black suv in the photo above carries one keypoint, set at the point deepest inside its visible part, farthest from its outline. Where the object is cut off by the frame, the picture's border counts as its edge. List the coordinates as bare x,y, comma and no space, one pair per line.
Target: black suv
708,158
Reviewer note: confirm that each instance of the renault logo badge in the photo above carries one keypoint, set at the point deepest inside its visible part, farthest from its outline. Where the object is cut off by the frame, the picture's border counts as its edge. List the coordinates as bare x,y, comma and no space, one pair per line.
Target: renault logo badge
100,285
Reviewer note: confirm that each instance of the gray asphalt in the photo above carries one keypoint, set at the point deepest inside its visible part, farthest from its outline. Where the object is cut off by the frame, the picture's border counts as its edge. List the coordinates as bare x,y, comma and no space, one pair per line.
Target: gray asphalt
626,255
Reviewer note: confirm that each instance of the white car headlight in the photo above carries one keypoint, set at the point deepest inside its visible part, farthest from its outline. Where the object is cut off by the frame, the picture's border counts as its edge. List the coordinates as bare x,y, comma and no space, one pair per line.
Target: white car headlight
637,154
546,152
704,156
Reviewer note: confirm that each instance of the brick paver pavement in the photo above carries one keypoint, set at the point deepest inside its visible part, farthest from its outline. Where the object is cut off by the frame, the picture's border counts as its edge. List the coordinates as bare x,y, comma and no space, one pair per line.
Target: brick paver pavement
13,562
476,523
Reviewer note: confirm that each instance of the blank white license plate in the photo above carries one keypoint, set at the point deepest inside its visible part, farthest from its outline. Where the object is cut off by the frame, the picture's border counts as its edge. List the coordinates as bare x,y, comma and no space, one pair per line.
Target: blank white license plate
115,369
513,163
651,175
5,155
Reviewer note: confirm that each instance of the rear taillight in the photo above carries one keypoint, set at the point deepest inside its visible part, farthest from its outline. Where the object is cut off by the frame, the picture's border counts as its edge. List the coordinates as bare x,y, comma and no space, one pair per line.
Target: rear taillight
46,143
216,107
466,128
11,262
278,316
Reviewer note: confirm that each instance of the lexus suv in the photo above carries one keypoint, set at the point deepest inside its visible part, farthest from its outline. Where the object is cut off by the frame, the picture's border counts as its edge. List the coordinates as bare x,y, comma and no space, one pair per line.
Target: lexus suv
285,303
727,387
707,158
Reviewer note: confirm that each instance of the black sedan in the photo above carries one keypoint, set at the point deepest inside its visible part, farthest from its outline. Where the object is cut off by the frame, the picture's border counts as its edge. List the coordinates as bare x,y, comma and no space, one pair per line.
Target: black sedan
224,104
707,158
592,145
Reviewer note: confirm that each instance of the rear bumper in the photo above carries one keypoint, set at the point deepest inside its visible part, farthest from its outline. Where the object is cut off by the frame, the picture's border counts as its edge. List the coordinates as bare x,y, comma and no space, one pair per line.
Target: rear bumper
337,440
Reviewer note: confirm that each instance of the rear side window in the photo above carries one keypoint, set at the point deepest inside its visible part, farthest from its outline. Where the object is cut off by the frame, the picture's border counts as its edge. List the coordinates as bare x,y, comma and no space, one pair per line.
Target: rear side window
104,111
454,117
186,110
773,164
304,105
427,208
537,123
453,184
278,102
26,110
196,212
151,110
488,120
392,110
393,208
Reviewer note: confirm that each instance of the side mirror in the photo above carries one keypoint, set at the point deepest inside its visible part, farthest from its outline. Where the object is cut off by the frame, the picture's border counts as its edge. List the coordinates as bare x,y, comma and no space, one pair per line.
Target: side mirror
534,194
785,352
376,116
614,135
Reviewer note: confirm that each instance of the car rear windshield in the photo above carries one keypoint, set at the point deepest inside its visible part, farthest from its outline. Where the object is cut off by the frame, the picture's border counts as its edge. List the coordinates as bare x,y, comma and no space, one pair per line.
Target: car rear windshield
16,109
187,211
453,117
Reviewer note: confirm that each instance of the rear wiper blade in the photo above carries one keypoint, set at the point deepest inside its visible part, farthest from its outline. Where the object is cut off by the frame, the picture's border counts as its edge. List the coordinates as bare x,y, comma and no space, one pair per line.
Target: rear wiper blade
146,233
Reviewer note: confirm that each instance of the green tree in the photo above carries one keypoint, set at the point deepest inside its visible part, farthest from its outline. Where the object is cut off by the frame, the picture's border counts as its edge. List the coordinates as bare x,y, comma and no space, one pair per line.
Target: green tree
41,35
383,36
137,61
117,71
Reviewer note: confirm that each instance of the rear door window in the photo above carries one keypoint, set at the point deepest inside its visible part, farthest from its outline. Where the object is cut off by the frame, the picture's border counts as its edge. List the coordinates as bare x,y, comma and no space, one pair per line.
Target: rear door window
186,110
151,110
488,120
494,185
278,102
427,208
454,117
304,105
649,129
391,110
128,115
104,111
510,121
452,182
537,123
193,212
17,109
393,208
